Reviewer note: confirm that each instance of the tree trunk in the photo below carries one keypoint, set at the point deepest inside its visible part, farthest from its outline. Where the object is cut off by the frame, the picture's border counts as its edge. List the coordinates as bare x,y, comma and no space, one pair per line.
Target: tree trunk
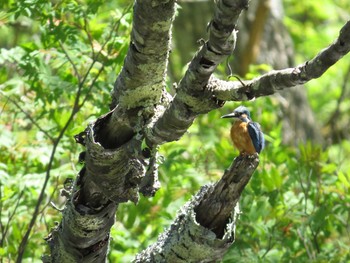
121,146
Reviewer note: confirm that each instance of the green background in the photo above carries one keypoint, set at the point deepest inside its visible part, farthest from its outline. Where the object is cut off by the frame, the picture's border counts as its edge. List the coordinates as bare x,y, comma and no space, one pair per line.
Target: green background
294,209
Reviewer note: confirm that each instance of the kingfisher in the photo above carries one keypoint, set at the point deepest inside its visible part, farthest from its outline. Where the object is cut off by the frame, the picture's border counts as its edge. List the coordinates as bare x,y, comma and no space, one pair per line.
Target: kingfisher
246,135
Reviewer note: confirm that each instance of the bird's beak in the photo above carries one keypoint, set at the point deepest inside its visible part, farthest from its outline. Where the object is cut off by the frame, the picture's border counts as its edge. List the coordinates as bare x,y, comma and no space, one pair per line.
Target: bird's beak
231,115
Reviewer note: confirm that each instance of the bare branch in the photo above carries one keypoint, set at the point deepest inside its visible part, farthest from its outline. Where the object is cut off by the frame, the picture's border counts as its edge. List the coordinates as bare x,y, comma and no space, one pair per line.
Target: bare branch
88,34
75,69
191,97
29,117
204,228
215,209
115,163
286,78
89,214
142,78
10,217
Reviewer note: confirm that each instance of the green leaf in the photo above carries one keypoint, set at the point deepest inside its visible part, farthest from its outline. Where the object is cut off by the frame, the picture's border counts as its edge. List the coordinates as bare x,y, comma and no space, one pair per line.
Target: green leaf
344,179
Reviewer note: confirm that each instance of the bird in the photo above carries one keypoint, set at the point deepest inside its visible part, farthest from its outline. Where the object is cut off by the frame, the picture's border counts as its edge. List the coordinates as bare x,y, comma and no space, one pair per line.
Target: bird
246,135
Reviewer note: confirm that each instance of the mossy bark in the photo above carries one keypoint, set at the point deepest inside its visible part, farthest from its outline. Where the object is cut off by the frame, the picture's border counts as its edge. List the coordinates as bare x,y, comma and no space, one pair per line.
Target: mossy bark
119,165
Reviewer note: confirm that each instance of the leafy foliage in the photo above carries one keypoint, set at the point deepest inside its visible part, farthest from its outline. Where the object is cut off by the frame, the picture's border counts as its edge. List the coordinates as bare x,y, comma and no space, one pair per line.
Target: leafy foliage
59,61
52,78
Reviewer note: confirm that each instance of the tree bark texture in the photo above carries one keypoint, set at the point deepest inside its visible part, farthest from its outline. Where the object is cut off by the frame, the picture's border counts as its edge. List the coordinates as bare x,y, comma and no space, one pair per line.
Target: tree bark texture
265,40
142,79
83,234
115,165
192,98
204,228
277,80
114,161
188,241
262,39
118,165
215,208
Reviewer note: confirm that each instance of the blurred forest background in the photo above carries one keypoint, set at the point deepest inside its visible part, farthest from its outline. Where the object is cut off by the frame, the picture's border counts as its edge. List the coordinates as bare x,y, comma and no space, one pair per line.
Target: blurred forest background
58,64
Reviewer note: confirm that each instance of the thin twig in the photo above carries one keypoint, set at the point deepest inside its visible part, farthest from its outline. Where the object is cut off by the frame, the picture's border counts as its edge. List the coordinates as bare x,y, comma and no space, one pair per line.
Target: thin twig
114,29
74,111
29,117
238,78
276,80
10,218
85,27
314,236
3,107
91,86
76,72
76,107
270,244
51,196
309,253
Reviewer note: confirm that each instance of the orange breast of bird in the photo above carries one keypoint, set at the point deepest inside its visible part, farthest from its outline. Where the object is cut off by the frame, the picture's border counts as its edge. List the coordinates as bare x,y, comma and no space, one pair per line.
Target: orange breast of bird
241,139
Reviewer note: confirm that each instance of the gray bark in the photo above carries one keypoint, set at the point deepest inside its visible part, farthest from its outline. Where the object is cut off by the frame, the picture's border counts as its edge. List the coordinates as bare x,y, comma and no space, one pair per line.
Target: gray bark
192,98
117,168
263,39
204,229
115,165
188,241
277,80
114,161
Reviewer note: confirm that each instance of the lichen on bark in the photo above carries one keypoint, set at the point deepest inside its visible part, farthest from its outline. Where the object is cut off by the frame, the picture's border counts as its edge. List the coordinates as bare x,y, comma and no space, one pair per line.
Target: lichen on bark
188,241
